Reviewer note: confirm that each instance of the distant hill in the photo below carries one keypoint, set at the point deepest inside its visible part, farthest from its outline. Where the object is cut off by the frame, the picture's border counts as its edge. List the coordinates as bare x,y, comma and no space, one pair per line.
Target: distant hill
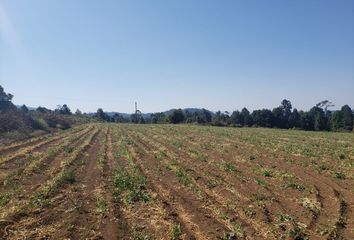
148,115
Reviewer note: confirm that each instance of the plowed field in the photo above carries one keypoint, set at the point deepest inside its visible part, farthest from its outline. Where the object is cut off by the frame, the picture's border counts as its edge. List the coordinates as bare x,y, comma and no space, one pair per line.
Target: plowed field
122,181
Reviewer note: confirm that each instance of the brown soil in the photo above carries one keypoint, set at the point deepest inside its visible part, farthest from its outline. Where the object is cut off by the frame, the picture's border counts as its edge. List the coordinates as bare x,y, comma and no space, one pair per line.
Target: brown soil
199,185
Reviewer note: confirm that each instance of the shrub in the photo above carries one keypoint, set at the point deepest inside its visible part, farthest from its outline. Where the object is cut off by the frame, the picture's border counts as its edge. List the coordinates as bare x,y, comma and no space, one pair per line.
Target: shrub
41,124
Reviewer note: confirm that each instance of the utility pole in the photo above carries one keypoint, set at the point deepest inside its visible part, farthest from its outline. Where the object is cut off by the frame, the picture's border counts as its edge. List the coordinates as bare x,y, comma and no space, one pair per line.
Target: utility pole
136,112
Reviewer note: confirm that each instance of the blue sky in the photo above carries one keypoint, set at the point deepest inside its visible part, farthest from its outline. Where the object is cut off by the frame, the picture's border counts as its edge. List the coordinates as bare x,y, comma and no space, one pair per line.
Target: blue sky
187,53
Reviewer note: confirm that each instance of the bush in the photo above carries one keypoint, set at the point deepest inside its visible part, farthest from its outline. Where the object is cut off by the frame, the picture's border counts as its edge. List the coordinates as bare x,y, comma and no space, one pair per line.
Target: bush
57,121
41,124
14,120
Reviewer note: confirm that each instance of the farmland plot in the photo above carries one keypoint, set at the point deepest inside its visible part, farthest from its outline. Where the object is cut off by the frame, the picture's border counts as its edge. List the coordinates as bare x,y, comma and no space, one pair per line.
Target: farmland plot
111,181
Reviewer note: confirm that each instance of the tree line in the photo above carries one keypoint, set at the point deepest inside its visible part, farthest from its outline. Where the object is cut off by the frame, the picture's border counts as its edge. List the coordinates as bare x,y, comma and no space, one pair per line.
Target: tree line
318,118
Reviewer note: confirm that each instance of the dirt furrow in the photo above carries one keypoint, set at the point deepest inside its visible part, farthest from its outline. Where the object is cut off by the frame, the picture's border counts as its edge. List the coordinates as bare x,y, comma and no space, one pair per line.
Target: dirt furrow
20,155
197,218
33,141
147,216
12,170
226,195
114,225
329,202
26,216
85,222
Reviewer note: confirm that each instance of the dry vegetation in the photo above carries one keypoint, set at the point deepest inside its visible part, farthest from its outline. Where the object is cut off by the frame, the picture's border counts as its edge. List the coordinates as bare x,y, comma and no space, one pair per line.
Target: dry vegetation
116,181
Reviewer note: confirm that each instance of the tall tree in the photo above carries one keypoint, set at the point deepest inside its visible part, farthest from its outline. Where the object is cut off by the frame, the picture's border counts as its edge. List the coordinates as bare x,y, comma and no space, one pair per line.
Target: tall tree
64,110
347,118
236,118
325,105
294,119
6,100
336,121
246,117
319,118
101,115
278,117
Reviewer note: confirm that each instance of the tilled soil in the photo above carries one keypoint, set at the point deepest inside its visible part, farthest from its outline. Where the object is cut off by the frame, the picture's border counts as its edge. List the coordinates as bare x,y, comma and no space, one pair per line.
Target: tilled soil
113,181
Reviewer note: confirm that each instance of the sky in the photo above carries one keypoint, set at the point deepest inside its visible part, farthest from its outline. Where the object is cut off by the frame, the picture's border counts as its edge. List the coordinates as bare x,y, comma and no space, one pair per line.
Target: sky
219,55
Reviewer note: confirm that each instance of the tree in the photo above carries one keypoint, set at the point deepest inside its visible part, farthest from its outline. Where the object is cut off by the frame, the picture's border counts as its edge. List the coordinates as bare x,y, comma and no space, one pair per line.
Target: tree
262,118
219,119
278,117
177,116
282,114
190,117
286,106
119,118
336,121
6,100
306,121
101,115
236,118
203,116
65,110
347,118
294,119
24,108
246,118
43,110
319,118
325,105
78,112
158,117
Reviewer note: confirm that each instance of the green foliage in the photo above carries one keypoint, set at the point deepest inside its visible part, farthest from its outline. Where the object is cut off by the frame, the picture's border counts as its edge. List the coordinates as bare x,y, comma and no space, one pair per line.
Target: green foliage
339,175
176,232
158,118
177,116
101,207
229,167
307,121
262,118
220,119
5,198
40,123
261,182
5,101
294,119
318,116
101,115
235,118
65,110
130,185
41,197
347,118
295,185
246,118
266,173
297,233
202,116
183,178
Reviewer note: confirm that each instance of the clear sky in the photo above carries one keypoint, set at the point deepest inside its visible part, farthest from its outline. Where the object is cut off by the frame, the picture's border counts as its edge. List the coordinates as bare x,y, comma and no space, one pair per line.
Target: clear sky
185,53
